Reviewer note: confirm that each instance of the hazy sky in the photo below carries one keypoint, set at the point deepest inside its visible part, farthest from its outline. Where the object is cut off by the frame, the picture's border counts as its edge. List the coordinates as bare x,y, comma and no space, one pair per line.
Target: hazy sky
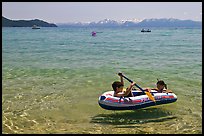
62,12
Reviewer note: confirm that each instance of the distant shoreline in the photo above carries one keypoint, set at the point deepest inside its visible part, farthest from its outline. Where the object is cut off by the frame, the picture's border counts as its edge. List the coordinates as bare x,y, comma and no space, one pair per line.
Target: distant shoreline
25,23
105,23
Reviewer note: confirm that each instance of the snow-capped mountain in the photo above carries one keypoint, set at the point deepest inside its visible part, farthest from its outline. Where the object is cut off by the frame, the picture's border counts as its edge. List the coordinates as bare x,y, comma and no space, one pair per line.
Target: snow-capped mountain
153,22
105,22
135,20
171,22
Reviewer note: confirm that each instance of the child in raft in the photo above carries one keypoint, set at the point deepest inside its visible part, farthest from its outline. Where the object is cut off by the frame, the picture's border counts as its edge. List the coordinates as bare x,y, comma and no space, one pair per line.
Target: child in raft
118,88
161,87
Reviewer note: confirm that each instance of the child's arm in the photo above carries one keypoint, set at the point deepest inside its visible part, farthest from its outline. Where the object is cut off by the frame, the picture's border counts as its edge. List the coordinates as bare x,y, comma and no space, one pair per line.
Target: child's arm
129,88
121,78
167,91
156,89
147,89
119,94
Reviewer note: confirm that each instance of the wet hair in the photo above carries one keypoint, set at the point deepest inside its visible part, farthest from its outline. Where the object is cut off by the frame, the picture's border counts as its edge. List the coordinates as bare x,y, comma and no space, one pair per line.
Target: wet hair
161,82
117,84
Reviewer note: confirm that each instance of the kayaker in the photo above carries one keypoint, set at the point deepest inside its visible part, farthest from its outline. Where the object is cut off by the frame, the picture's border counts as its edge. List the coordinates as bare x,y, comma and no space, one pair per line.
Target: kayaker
118,88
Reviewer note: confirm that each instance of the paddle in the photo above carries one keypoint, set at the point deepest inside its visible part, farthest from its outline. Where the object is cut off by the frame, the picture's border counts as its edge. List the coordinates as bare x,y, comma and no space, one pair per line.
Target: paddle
146,92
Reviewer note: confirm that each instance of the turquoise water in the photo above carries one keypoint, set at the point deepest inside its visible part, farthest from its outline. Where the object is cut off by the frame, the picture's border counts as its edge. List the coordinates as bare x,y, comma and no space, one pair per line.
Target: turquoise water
52,78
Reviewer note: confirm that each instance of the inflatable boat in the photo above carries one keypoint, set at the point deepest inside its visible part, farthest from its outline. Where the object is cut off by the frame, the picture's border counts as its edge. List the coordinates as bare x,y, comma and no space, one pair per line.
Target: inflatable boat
140,100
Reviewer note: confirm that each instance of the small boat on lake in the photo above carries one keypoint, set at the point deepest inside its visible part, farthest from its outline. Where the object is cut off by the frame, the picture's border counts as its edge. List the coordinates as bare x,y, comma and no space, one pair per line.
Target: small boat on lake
35,27
143,30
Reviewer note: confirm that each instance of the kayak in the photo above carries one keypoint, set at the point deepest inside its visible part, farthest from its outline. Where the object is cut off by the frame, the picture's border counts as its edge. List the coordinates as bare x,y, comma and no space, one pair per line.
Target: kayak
140,100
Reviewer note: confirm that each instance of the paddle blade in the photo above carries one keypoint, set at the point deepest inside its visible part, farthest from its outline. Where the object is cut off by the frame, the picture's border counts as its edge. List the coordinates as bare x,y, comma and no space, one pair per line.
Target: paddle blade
150,96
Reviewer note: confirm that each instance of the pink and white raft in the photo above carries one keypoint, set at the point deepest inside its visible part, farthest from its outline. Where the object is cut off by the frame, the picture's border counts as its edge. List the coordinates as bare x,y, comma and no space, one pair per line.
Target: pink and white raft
140,100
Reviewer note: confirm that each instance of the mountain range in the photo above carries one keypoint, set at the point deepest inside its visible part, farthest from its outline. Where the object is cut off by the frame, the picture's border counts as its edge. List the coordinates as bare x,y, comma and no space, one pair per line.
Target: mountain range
164,22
